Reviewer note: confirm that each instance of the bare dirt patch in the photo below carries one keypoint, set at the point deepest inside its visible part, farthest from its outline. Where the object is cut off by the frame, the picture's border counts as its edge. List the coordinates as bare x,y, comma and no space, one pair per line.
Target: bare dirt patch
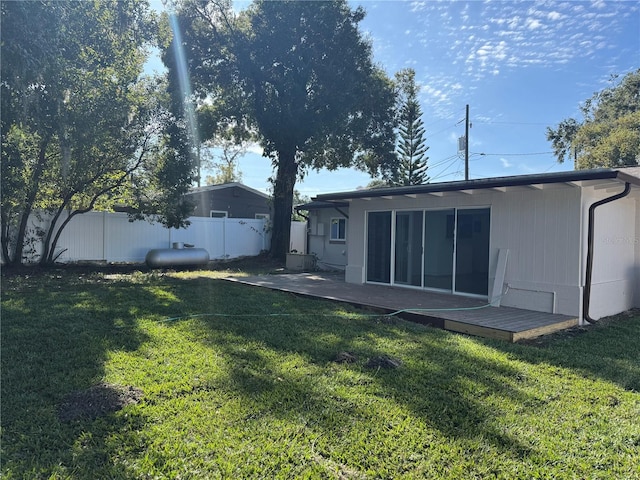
96,401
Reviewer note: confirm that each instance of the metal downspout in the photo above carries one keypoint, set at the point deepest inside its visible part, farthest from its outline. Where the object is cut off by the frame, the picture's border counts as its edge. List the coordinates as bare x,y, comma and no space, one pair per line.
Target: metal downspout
586,297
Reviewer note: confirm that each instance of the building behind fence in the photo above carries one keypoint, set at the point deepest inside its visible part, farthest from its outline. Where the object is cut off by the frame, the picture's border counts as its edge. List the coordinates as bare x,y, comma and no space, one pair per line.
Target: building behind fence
111,237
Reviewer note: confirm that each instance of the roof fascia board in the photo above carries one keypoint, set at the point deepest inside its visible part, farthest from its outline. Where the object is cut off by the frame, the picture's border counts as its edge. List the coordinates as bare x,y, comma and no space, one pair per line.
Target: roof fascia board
625,177
573,178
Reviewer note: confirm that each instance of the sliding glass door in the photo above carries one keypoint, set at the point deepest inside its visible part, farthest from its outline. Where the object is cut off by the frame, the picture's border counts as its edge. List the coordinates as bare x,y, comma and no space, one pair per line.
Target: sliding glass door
472,251
379,247
408,248
439,237
445,249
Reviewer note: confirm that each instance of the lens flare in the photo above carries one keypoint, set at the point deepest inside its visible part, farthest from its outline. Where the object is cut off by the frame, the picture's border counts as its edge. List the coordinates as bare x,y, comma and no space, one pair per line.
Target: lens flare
184,82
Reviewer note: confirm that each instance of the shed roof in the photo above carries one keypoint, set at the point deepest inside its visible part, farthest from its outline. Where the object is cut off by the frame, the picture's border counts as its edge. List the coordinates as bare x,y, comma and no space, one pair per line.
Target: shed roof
630,174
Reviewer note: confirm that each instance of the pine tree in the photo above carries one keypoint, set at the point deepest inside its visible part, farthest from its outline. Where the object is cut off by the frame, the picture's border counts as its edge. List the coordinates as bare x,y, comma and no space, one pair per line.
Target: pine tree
411,148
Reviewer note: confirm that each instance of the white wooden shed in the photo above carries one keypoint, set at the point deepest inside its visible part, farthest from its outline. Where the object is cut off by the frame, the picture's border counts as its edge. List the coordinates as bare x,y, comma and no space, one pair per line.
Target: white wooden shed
565,242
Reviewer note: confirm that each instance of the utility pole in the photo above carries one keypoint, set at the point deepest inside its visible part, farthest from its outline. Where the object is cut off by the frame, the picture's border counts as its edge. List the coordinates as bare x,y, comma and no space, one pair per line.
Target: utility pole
466,144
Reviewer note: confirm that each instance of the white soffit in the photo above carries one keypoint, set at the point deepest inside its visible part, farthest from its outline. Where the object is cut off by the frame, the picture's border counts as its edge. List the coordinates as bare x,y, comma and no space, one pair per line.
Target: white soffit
608,186
577,184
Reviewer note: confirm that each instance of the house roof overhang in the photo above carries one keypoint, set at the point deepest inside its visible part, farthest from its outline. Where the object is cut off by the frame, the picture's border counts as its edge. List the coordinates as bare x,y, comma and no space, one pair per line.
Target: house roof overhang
574,177
316,204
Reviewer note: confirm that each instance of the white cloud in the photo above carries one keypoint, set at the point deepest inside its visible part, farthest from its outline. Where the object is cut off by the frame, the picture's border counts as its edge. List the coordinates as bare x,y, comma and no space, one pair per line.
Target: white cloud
479,40
533,23
418,6
505,163
513,22
555,16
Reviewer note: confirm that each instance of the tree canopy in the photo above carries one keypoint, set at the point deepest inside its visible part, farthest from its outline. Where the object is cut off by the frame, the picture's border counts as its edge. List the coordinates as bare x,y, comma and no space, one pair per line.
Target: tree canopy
225,164
80,130
301,75
608,135
411,148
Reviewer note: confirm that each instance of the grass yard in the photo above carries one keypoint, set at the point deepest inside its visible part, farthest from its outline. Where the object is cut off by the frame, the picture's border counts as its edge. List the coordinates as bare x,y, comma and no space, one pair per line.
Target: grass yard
220,380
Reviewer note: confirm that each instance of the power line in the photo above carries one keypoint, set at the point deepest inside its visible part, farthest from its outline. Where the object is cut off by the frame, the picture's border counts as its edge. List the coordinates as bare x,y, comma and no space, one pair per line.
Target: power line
440,162
510,123
512,154
443,172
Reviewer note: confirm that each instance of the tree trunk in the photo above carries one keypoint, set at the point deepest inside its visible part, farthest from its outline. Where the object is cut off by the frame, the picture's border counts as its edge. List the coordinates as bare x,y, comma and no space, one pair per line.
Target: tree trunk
29,200
5,236
47,249
283,202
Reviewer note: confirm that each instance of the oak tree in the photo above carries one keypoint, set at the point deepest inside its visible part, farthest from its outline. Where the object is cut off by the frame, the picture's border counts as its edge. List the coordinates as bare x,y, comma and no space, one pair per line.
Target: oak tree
301,74
608,134
80,130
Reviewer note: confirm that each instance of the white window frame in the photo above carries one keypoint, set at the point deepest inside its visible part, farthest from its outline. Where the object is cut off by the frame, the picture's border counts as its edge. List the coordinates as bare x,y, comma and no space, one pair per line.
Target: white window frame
224,213
337,238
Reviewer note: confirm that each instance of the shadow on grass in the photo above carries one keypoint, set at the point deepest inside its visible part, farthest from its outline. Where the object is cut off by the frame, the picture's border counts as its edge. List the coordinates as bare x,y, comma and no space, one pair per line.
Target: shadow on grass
607,350
56,337
278,352
268,358
442,381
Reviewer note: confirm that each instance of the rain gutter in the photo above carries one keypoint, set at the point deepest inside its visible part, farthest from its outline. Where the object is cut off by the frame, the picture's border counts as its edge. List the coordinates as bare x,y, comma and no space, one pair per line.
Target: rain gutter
586,297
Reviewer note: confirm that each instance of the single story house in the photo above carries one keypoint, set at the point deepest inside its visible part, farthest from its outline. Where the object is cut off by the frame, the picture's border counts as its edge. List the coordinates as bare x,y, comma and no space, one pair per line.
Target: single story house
565,242
327,233
230,200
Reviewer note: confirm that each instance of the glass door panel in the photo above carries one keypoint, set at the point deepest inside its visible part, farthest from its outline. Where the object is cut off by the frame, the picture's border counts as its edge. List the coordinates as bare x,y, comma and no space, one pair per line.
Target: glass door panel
379,247
472,251
438,248
408,248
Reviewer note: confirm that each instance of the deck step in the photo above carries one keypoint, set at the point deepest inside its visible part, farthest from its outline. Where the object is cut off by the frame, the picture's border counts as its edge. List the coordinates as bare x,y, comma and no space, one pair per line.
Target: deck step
506,335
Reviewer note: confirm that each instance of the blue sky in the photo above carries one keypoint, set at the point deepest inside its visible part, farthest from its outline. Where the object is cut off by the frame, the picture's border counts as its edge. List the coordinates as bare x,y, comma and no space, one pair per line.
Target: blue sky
521,66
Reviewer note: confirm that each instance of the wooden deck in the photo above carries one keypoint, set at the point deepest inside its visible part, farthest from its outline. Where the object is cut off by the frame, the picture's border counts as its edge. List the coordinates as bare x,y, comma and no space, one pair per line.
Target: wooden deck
451,312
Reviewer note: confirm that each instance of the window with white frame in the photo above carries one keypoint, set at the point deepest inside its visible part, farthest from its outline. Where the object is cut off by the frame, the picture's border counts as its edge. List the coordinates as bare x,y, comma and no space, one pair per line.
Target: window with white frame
218,214
338,230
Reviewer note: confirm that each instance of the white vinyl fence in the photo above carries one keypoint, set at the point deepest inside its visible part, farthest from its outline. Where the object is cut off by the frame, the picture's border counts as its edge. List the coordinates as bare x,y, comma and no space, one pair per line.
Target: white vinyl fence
111,237
298,241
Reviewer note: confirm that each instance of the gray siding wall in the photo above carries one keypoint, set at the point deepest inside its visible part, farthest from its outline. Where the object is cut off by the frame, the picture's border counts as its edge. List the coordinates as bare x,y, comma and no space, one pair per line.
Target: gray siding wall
331,255
539,226
616,257
236,201
541,229
637,254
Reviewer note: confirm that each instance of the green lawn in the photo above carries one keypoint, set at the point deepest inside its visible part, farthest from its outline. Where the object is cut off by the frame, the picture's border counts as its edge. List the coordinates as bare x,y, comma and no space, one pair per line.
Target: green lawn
239,382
